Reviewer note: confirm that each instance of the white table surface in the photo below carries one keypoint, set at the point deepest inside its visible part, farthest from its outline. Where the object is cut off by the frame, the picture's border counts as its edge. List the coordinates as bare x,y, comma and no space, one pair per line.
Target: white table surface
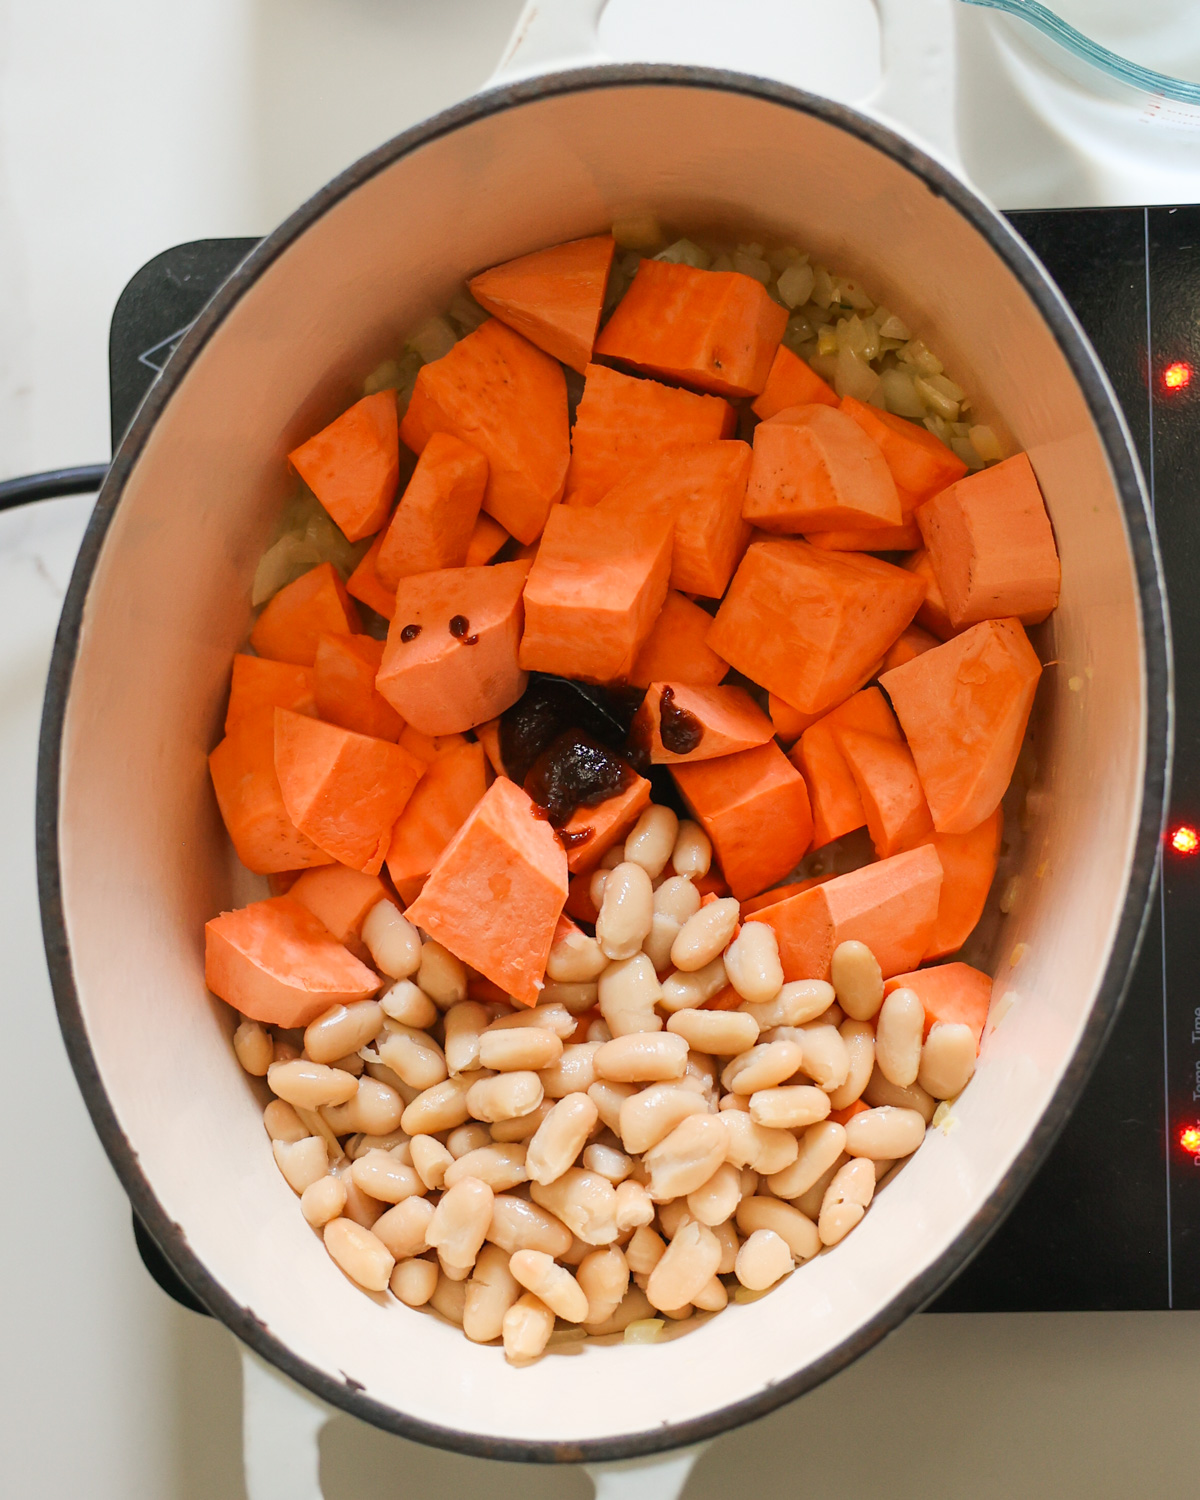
124,128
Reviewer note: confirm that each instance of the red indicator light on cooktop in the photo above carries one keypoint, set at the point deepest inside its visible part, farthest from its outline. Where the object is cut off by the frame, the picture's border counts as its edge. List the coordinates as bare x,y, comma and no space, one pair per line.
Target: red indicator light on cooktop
1189,1139
1185,839
1178,375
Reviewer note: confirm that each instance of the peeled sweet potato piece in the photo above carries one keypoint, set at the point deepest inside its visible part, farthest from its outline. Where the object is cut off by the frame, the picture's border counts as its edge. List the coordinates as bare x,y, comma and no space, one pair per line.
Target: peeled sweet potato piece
837,805
366,585
260,683
594,592
508,399
886,777
701,487
677,649
780,893
251,801
963,707
991,547
868,539
343,790
497,890
624,421
428,747
921,464
932,614
451,656
792,382
969,861
554,297
955,994
487,538
313,605
754,808
890,905
353,465
910,642
605,824
815,469
809,626
432,525
276,963
789,722
341,898
344,686
682,723
451,786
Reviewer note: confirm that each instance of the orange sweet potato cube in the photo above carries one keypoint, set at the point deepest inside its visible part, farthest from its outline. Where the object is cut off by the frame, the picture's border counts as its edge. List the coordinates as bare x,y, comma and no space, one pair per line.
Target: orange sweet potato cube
344,686
954,994
810,626
431,527
504,396
251,802
969,861
366,585
260,683
716,330
991,546
792,382
353,465
677,649
276,962
605,824
487,538
497,890
932,614
837,805
886,777
594,592
451,659
684,724
292,622
341,898
451,786
815,469
890,905
343,790
553,296
754,808
921,463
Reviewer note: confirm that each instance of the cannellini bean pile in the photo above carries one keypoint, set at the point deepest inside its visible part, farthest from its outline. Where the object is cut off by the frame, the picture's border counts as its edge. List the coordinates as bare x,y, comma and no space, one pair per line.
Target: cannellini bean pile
618,1155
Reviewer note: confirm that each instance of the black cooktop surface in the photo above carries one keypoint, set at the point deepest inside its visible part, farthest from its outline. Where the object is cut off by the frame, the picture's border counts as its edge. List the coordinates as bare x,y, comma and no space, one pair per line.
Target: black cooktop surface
1112,1221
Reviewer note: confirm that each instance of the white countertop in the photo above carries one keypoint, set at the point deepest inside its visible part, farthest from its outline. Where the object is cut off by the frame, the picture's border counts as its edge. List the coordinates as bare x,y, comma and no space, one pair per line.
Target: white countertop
125,128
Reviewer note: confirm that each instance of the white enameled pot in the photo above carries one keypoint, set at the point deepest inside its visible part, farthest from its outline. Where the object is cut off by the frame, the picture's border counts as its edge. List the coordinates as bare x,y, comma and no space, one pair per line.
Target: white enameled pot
133,858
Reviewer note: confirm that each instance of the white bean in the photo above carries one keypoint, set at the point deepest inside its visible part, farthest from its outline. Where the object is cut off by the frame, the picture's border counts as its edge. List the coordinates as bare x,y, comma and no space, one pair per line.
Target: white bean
539,1273
686,1267
596,887
857,979
430,1159
414,1056
652,840
759,1146
301,1162
342,1029
860,1044
644,1250
634,1206
715,1200
450,1297
677,898
469,1136
686,1158
881,1090
560,1137
820,1146
885,1134
409,1005
603,1276
523,1128
642,1057
899,1028
692,854
282,1123
573,1073
626,911
392,940
414,1281
723,1032
705,935
752,963
846,1200
796,1004
628,992
491,1291
520,1048
381,1176
599,1031
464,1025
519,1225
575,998
402,1228
527,1327
501,1167
763,1260
363,1257
947,1059
761,1067
608,1161
505,1097
796,1230
362,1209
646,1118
253,1048
442,976
659,941
684,991
790,1108
440,1108
310,1084
608,1099
554,1017
826,1056
323,1200
584,1201
461,1221
575,958
375,1109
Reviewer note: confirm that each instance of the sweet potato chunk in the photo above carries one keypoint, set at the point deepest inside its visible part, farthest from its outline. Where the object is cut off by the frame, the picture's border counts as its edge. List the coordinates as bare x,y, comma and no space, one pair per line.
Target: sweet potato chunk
932,614
969,861
955,994
353,465
275,962
816,470
837,806
868,539
911,642
701,487
432,525
886,778
681,723
891,906
451,786
677,649
624,421
963,708
343,790
921,464
605,824
487,538
428,747
594,593
251,802
292,623
789,722
451,655
991,546
554,297
792,382
344,686
754,808
366,585
808,625
497,890
508,399
340,898
260,683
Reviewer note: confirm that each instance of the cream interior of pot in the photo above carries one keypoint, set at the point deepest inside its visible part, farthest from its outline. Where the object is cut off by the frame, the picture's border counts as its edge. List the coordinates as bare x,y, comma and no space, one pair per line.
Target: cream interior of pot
144,858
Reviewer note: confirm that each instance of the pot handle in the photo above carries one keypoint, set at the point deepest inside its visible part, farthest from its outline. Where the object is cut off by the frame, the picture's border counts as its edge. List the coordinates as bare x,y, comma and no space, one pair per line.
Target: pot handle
916,93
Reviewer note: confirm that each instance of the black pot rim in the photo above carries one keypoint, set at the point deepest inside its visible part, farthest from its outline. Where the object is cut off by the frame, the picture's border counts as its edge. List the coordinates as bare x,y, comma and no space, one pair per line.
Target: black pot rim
347,1395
